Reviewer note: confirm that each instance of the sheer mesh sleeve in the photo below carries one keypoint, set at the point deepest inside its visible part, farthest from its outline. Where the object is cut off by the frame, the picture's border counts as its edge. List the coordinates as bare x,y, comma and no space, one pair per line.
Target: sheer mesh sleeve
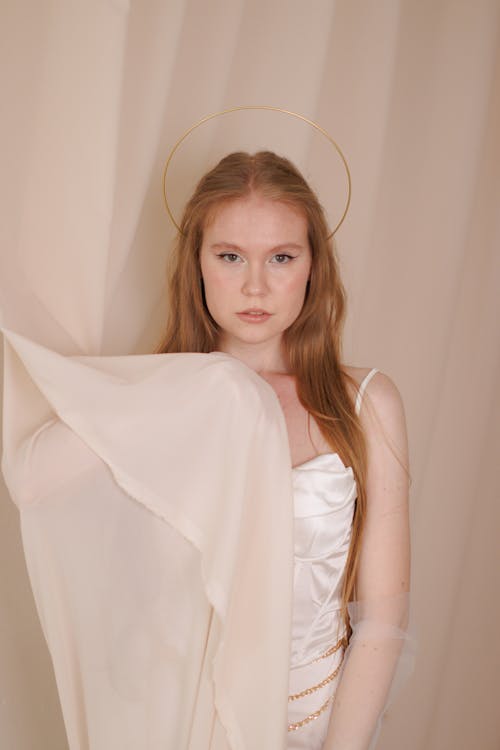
378,661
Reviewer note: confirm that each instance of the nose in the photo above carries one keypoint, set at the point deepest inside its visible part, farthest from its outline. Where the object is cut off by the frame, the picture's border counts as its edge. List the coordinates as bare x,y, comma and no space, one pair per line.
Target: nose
255,283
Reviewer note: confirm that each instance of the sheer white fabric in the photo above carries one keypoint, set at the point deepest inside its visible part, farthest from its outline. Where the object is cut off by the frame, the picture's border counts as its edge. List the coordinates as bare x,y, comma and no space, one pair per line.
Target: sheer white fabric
378,660
150,494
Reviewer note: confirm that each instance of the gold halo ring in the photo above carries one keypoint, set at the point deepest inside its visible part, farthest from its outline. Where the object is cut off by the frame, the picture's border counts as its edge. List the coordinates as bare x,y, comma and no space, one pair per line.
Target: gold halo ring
269,109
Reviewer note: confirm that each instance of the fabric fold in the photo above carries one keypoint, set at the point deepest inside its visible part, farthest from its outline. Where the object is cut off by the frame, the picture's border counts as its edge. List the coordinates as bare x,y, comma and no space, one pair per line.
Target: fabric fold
150,489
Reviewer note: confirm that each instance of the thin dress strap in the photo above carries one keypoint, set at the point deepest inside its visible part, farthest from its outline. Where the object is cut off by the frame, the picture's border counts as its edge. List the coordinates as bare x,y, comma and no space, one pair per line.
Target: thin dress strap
362,388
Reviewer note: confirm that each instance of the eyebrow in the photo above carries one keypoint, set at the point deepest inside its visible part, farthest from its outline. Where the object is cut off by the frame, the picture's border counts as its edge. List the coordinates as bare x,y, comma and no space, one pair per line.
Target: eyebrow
277,248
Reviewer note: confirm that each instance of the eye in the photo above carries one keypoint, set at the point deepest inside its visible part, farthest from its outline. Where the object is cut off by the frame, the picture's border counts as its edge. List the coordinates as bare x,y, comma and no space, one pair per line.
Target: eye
282,258
229,257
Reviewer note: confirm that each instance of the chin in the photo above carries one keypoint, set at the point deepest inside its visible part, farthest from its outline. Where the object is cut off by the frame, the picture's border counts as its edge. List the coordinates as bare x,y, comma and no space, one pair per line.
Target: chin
255,336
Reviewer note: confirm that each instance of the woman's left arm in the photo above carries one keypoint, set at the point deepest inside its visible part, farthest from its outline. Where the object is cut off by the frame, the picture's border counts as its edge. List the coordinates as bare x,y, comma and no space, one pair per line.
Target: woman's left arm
379,616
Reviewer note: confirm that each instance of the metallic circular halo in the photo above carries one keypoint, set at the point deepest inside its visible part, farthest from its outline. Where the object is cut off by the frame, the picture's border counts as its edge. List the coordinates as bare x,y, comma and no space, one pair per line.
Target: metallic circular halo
269,109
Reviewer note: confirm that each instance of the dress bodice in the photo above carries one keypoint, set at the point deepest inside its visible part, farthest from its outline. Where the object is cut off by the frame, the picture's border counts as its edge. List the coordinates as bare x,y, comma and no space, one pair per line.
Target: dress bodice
324,492
324,497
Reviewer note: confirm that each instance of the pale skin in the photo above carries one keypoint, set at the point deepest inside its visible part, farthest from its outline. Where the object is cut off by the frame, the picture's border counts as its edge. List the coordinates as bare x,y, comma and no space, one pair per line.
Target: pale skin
255,256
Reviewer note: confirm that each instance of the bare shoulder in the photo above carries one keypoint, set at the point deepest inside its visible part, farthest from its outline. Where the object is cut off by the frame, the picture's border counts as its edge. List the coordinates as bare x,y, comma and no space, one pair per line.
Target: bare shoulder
381,389
354,378
382,413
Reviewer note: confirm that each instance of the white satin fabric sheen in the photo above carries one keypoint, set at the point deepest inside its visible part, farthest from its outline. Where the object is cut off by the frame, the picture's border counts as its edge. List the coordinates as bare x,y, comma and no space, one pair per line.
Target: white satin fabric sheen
324,497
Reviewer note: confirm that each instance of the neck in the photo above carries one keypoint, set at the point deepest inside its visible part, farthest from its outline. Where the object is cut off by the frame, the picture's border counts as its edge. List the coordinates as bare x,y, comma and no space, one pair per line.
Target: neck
263,358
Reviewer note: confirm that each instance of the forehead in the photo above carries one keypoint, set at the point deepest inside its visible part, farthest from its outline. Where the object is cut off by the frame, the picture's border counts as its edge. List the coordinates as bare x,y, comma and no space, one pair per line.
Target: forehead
257,220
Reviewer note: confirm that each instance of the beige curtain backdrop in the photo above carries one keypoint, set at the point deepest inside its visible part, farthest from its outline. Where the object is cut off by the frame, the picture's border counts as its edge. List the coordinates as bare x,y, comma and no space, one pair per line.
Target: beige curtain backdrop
95,93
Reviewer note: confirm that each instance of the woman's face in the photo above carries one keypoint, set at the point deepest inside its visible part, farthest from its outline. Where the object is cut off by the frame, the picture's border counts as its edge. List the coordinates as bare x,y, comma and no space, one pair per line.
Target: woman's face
255,261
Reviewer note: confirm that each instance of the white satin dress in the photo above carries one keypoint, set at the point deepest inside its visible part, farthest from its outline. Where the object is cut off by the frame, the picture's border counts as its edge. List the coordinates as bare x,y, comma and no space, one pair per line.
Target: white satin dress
324,499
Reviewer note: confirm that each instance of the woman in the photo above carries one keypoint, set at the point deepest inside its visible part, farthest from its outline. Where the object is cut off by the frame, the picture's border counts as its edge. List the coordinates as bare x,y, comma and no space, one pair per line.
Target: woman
157,497
254,276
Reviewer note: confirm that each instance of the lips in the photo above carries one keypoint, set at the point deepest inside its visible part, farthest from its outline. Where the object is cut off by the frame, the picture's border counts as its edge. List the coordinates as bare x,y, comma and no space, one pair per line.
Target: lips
254,315
254,311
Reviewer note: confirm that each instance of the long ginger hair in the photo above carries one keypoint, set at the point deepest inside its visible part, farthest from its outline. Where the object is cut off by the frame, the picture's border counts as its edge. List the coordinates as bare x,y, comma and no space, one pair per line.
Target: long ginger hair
311,345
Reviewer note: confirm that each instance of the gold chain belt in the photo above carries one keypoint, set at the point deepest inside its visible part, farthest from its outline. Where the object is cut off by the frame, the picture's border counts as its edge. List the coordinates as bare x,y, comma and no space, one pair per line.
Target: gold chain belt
313,689
311,717
292,727
332,649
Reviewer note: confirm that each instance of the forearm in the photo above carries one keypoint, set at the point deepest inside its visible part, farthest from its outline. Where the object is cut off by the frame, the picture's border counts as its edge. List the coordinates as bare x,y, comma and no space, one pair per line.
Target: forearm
379,648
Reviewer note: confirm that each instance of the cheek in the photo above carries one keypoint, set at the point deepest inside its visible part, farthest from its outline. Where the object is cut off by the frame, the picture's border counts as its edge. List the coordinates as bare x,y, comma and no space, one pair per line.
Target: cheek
217,292
214,283
300,290
297,287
